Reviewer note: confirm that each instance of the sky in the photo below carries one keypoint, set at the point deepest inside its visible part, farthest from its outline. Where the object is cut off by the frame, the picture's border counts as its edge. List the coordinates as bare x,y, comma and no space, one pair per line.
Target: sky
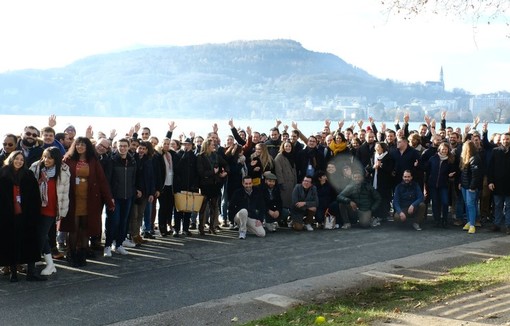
54,33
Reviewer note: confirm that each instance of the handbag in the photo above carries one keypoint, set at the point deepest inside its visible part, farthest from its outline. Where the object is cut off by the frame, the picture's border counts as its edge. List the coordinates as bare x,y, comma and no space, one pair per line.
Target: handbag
329,220
187,201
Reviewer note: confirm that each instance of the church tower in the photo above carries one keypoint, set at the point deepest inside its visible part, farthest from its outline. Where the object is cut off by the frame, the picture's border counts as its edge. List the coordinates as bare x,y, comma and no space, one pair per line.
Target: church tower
441,78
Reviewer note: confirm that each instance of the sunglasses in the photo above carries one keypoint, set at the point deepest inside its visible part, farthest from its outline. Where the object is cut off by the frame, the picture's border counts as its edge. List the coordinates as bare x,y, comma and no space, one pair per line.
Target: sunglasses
28,133
8,144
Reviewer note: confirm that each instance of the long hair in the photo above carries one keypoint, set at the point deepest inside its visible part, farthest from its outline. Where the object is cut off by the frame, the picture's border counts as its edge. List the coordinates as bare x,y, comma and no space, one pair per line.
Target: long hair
8,168
265,159
90,152
205,147
468,151
54,153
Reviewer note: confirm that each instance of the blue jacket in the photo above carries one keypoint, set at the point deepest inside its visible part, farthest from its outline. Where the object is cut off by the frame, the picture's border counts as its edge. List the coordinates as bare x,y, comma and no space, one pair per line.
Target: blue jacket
438,171
407,194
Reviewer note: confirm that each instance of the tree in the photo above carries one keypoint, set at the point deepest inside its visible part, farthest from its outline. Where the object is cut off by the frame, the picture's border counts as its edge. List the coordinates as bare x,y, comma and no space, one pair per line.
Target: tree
475,10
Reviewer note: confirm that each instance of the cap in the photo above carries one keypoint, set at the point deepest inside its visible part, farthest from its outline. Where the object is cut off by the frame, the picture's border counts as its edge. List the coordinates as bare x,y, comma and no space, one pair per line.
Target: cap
188,141
270,176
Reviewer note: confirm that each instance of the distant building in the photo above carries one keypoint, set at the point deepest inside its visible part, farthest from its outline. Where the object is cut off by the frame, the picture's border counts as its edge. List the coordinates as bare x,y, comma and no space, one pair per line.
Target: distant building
479,104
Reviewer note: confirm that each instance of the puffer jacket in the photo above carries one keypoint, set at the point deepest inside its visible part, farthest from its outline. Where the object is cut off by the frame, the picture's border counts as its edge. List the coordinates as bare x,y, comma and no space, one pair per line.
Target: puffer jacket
62,183
471,176
363,194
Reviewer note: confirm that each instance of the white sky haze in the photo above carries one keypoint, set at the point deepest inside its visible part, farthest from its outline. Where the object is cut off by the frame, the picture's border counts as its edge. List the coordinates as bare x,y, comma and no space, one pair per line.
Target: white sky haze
46,34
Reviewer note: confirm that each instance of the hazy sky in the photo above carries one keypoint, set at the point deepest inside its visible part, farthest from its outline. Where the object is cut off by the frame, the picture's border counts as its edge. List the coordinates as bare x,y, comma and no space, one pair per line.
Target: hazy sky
44,34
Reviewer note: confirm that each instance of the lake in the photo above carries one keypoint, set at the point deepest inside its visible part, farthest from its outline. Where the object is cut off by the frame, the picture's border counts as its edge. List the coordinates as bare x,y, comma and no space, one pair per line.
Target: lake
159,126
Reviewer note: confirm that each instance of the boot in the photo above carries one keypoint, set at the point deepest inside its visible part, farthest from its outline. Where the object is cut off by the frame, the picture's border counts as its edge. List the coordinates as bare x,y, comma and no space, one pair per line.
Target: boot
81,257
32,275
14,274
71,257
50,267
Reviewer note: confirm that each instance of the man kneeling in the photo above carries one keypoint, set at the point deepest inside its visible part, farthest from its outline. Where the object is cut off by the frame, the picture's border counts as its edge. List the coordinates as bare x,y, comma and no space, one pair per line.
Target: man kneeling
408,201
247,205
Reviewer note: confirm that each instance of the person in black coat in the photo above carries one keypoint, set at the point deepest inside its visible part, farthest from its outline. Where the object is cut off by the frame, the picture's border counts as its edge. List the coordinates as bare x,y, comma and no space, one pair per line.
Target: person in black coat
20,201
185,179
382,178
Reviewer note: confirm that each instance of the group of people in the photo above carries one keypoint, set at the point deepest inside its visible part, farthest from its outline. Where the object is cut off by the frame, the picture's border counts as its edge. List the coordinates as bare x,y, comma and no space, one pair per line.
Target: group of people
54,187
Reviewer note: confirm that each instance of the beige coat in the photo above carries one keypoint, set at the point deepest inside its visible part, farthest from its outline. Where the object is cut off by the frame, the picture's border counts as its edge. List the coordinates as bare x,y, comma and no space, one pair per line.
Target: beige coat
287,178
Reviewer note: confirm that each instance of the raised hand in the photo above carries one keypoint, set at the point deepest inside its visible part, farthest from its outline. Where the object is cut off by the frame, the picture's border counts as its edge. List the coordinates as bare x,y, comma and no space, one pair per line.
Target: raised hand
52,120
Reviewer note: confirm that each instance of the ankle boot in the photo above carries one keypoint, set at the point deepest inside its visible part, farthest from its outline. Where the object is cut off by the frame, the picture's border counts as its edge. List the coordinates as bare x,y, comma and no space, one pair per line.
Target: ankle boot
50,266
32,275
14,274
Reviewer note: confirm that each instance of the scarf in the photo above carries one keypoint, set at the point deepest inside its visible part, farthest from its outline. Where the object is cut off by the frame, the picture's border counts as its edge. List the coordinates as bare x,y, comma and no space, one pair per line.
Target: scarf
290,157
377,157
442,157
338,147
44,176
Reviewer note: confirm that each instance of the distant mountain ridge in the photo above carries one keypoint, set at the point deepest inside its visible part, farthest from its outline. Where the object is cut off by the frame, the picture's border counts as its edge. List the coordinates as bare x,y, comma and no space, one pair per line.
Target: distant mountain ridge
239,79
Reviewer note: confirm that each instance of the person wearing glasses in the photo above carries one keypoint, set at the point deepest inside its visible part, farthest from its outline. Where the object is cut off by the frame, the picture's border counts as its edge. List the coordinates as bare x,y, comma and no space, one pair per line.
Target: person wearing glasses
305,201
9,145
30,146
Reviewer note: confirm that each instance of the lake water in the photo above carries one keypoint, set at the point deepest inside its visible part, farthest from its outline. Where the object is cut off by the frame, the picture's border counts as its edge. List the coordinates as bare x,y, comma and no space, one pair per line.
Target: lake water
159,126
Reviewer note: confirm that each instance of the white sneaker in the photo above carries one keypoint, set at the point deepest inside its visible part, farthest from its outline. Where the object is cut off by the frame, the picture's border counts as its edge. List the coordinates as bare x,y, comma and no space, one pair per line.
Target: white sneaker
337,226
121,250
242,235
128,244
308,227
375,222
346,226
233,227
107,252
416,226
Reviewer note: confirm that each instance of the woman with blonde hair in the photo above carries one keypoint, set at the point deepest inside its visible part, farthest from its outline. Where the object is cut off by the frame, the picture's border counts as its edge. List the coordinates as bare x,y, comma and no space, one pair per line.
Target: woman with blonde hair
260,162
212,171
440,168
470,182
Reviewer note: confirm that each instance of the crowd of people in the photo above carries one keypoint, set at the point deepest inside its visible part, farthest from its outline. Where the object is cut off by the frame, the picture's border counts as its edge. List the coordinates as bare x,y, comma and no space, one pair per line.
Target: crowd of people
56,187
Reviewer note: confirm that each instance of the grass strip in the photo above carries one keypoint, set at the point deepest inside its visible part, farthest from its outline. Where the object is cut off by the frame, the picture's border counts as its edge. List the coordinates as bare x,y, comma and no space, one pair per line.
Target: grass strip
366,305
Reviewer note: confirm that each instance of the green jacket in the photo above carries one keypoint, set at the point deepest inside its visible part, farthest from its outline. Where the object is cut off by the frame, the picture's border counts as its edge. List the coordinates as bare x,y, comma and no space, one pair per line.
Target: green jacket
363,194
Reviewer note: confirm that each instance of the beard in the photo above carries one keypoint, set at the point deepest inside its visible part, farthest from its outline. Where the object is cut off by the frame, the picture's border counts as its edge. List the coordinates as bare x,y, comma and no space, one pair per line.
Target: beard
28,143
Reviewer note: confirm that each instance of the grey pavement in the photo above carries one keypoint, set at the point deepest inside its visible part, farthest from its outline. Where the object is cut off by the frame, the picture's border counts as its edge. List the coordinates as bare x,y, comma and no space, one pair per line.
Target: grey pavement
221,280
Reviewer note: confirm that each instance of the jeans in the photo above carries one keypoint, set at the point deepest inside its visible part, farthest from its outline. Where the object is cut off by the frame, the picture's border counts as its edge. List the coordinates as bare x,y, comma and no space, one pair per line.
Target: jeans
439,197
117,222
501,208
45,224
147,217
470,200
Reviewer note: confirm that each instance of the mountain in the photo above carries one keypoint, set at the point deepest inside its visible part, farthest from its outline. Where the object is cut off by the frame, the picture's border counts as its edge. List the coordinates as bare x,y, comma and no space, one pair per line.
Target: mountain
242,79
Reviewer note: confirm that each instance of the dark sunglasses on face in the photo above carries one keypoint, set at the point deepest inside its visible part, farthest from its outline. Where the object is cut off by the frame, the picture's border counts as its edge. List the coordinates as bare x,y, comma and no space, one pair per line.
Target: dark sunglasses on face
8,144
28,133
